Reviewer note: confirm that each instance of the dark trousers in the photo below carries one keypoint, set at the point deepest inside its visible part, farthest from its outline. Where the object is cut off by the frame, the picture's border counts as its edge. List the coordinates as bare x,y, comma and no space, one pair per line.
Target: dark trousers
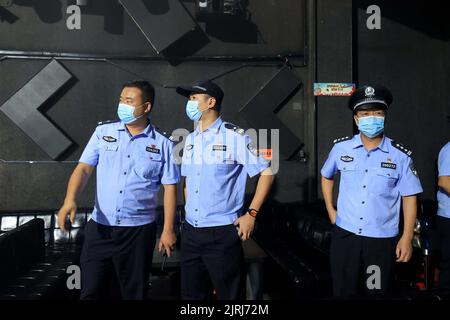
126,251
354,260
212,254
443,231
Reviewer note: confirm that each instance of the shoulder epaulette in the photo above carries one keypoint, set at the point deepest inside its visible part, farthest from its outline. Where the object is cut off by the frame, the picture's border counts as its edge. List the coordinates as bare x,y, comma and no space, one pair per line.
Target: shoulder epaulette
341,139
235,128
164,133
107,121
402,148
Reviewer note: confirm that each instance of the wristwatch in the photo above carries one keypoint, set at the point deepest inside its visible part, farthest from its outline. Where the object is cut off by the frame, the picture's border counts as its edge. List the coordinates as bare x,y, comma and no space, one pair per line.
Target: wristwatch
252,212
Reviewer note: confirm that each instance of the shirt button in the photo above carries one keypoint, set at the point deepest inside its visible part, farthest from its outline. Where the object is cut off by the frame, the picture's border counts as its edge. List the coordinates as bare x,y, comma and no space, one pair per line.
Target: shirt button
360,218
198,173
366,170
120,191
118,210
196,209
363,202
196,191
368,155
118,222
129,156
364,187
124,173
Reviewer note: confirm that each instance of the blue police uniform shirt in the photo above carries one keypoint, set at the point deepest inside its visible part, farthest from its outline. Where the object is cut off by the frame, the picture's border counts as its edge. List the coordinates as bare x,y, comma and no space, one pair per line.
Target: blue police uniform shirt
444,170
371,185
216,163
130,171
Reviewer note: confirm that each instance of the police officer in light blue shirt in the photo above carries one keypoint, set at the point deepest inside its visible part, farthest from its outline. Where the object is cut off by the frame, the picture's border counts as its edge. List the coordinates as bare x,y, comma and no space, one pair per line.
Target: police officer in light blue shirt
217,159
443,218
132,159
376,175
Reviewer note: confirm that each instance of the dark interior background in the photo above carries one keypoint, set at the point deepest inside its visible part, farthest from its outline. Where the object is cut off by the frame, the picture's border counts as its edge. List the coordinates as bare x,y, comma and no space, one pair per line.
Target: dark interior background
324,41
409,55
255,47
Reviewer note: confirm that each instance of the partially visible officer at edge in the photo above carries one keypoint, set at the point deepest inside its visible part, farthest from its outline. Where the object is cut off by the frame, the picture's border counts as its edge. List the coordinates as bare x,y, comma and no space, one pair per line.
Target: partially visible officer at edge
375,174
217,158
443,215
132,159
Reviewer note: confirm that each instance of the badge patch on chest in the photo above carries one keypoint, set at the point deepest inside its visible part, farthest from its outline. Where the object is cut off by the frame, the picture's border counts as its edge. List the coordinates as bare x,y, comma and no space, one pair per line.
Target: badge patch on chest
153,149
251,147
413,169
219,147
347,158
109,139
389,165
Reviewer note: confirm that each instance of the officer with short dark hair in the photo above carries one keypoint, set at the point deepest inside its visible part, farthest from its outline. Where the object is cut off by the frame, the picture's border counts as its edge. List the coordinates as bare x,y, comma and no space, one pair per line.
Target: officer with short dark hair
377,175
133,159
217,158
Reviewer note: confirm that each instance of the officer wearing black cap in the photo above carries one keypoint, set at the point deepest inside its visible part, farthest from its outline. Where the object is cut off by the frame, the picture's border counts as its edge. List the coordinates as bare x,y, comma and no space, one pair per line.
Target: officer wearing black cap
377,175
217,158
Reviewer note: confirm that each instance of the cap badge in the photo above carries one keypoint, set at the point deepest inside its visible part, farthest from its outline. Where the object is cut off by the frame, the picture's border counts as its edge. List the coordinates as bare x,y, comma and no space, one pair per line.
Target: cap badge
370,92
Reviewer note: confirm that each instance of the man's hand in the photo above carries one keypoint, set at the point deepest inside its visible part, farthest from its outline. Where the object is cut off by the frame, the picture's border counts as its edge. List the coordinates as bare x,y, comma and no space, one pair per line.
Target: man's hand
404,249
332,213
327,190
167,240
246,224
69,208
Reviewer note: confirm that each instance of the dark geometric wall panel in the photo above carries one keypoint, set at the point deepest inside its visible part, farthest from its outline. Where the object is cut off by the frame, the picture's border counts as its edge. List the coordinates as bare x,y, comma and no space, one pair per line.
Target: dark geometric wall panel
259,111
22,109
158,25
107,29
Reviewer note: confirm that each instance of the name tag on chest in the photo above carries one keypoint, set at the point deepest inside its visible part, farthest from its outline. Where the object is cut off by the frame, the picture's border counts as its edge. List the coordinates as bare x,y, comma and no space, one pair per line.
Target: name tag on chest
153,149
389,165
219,147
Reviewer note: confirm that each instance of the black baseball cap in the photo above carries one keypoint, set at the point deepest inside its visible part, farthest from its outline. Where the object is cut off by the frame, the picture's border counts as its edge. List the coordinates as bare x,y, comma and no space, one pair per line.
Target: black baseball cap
203,86
369,97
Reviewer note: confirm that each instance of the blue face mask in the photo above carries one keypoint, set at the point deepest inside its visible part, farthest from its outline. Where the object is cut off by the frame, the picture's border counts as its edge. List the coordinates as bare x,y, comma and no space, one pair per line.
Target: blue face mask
126,113
371,126
192,110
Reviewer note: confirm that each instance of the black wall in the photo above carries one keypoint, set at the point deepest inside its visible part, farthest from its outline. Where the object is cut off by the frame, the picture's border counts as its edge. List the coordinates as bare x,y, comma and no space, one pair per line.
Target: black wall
324,40
409,55
108,32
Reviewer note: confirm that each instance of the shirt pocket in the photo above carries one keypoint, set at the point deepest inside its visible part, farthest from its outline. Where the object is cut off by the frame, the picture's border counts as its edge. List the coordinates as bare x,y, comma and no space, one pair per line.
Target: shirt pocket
224,163
108,151
222,171
109,147
384,181
348,174
149,164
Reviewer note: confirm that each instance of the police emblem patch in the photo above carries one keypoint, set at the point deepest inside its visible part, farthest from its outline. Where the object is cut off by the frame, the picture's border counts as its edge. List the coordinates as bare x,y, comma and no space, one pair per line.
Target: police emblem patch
109,139
347,159
369,92
413,169
389,165
252,149
219,147
153,149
